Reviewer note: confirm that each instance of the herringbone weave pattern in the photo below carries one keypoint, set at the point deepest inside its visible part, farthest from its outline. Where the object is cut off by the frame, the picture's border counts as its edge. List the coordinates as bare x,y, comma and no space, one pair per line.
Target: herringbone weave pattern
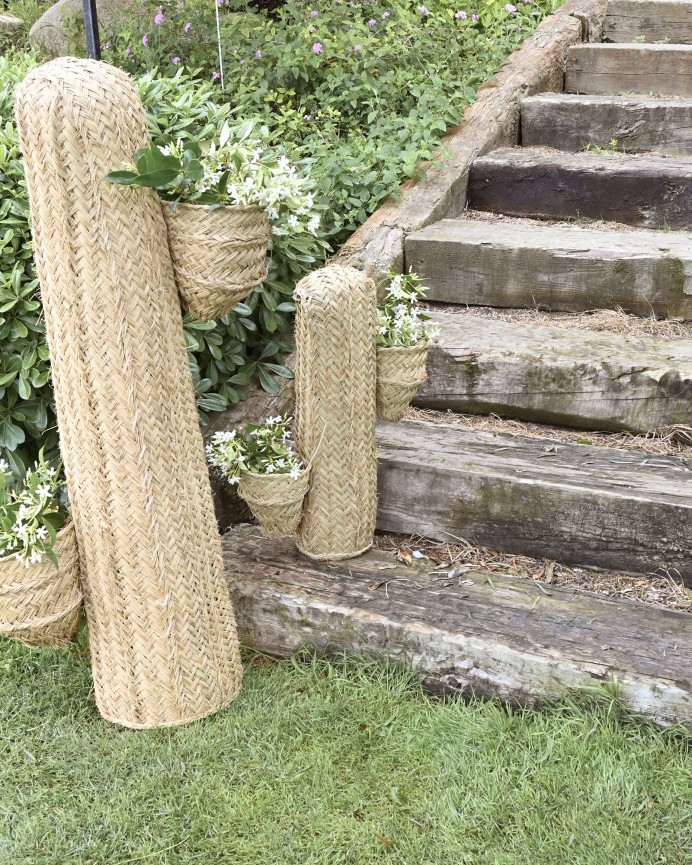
335,411
400,373
40,605
161,628
276,500
219,256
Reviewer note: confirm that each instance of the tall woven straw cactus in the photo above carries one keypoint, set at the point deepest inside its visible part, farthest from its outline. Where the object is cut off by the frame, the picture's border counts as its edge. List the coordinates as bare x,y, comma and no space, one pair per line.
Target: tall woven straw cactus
335,410
161,628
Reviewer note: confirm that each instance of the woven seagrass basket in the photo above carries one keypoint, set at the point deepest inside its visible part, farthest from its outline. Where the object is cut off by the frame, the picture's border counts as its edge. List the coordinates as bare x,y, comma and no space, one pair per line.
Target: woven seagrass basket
276,500
40,605
219,256
400,373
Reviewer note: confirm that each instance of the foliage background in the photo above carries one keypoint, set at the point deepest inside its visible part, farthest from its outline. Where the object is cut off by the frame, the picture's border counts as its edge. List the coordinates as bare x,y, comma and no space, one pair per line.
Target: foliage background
358,92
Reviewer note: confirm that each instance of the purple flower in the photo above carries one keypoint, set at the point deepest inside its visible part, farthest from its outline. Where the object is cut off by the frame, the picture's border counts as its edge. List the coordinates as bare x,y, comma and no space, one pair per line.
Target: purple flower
188,26
510,8
145,41
242,61
175,61
385,14
423,10
307,116
317,47
216,75
372,22
159,18
474,17
312,29
358,47
314,12
106,45
128,52
258,53
461,15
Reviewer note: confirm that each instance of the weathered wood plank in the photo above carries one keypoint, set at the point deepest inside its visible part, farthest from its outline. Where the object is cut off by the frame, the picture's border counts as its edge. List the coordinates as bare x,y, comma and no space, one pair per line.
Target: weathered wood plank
663,70
504,638
574,503
652,192
654,19
492,121
577,378
639,125
569,269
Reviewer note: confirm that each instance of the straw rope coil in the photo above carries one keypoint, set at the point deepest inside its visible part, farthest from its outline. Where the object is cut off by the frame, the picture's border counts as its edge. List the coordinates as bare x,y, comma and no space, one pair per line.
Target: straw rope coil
161,628
276,500
219,256
335,411
401,370
40,605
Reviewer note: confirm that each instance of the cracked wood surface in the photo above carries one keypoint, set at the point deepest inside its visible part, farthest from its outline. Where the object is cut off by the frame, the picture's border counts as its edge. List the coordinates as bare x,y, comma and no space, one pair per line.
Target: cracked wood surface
493,635
639,125
663,19
584,379
663,70
652,192
556,268
573,503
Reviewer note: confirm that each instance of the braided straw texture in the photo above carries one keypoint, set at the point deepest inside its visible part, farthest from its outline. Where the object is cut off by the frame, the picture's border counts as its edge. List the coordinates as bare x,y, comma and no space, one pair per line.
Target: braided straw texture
161,628
276,500
400,373
219,256
335,411
40,605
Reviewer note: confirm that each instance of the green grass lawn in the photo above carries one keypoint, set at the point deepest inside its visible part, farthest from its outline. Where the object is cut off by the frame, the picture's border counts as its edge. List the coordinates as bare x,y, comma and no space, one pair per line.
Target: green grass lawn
324,763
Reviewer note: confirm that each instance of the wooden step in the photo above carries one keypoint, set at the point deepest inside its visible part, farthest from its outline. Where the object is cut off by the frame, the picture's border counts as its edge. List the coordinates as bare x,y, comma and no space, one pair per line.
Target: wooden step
510,264
637,124
575,378
626,20
662,70
493,636
652,192
572,503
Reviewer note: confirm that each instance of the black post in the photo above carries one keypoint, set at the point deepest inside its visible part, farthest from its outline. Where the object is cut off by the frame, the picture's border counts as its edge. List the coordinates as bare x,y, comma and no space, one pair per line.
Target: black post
91,25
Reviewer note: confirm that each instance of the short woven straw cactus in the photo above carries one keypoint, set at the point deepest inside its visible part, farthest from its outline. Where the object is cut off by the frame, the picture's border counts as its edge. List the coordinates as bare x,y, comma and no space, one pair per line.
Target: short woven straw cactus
400,373
276,500
40,605
219,255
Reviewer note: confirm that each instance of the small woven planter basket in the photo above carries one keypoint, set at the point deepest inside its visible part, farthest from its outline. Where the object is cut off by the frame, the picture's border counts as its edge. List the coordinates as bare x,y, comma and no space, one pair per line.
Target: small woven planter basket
400,373
40,605
219,256
276,500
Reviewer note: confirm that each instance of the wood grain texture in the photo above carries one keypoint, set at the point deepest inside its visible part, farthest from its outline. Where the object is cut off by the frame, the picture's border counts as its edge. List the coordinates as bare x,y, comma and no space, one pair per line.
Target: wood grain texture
584,379
510,264
664,70
662,19
492,121
651,192
639,125
574,503
500,637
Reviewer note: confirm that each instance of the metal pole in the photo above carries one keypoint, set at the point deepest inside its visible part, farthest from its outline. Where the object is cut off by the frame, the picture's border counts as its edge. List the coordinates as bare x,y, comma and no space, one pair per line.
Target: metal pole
91,25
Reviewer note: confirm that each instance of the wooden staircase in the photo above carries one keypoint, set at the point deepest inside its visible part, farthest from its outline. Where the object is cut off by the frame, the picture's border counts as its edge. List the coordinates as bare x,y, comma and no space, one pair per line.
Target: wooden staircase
603,222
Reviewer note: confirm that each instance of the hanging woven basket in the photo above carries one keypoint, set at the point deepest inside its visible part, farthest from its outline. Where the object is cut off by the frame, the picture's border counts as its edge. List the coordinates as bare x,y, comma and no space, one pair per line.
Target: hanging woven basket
40,605
219,256
276,500
400,373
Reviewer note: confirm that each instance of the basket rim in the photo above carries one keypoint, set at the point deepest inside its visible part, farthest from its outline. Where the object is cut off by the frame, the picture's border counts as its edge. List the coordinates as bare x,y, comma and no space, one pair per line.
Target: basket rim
192,206
274,475
417,347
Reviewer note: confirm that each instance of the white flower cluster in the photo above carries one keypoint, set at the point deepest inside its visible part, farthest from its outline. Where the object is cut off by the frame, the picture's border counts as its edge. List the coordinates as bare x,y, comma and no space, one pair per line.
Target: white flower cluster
264,450
400,321
24,533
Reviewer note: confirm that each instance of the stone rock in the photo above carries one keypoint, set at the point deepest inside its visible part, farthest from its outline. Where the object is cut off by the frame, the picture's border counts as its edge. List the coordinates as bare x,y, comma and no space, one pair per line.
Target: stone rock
48,33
